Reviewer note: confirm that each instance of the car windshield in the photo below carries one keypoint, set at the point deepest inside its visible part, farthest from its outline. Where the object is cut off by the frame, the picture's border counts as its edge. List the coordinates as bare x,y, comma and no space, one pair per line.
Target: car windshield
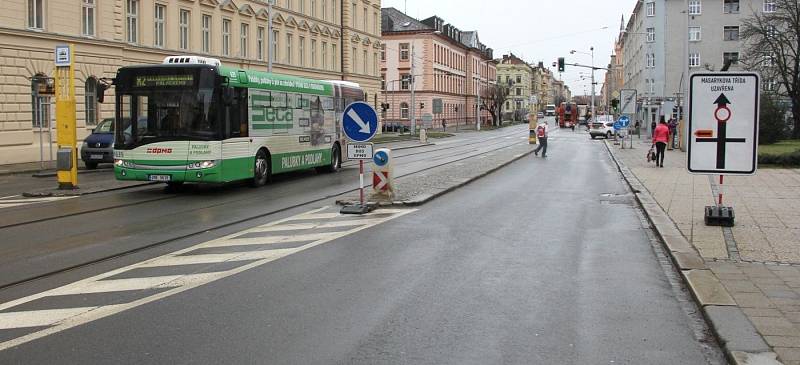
105,126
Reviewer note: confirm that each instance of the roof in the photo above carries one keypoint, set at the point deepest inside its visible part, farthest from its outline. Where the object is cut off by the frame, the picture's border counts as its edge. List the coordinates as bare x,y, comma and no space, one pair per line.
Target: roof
393,20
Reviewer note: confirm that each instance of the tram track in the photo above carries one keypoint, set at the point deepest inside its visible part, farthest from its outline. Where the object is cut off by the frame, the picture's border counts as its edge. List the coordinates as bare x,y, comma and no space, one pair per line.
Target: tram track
453,158
495,140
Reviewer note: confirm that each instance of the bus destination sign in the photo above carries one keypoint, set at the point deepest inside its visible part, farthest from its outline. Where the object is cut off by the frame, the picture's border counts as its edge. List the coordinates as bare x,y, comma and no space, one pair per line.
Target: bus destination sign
164,80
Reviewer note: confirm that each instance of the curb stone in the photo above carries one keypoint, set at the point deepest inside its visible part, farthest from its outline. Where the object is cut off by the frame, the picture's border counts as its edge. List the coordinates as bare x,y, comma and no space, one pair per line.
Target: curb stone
739,339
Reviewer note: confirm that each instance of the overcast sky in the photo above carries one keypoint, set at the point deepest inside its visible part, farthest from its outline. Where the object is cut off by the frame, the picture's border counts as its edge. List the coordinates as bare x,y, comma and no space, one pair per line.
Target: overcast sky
535,30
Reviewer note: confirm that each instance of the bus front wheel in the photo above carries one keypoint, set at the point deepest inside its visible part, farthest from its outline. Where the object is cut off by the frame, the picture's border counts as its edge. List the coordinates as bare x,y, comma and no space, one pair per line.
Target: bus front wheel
261,169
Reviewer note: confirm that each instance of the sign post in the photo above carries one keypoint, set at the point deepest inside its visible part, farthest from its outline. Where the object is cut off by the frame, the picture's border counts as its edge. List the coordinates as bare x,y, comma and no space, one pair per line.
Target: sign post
723,131
360,123
67,135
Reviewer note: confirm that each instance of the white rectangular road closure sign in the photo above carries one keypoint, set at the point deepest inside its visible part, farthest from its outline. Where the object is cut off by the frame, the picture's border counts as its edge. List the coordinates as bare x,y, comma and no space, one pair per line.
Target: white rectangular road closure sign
359,151
723,123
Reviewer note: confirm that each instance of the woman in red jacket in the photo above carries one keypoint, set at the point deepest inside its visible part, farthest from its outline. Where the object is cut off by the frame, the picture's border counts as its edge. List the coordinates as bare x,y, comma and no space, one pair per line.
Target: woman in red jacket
660,139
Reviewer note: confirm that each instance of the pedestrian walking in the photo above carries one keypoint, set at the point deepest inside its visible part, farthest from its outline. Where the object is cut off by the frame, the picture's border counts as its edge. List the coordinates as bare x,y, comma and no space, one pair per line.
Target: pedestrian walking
541,135
638,125
660,139
444,125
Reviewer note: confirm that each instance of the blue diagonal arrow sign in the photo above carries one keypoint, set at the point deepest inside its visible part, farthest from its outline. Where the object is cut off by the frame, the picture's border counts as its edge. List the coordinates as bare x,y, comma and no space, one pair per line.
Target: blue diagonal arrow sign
359,121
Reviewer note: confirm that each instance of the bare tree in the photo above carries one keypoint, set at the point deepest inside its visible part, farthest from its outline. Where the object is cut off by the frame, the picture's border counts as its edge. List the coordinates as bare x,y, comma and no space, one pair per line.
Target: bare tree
493,98
773,49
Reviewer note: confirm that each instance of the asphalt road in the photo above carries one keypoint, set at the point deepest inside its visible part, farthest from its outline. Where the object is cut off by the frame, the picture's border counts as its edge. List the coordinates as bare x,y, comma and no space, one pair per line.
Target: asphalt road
546,261
45,237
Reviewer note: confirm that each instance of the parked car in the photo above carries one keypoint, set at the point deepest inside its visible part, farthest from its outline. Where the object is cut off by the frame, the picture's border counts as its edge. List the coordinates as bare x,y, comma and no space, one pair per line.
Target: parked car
602,126
98,147
540,115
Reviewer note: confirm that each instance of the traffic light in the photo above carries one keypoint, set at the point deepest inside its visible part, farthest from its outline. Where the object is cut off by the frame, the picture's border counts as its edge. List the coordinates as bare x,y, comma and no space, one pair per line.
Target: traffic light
561,64
385,106
614,103
422,105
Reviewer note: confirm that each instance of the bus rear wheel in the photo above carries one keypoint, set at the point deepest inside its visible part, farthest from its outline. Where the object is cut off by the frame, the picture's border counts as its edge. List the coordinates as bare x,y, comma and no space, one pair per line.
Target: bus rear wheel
261,169
336,161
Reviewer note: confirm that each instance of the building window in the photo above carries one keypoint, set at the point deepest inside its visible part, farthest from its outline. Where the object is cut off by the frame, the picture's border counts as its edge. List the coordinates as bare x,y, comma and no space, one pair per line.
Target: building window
226,37
374,63
206,25
694,60
383,81
695,34
730,6
314,53
244,43
184,19
41,104
159,15
405,81
519,79
769,6
651,34
695,7
768,60
383,52
260,43
324,55
333,10
90,96
353,15
770,84
324,10
404,110
273,50
334,59
364,62
519,91
732,57
651,8
36,14
288,48
652,87
314,8
651,60
375,22
132,20
365,20
354,61
289,4
730,33
88,11
403,51
772,31
302,48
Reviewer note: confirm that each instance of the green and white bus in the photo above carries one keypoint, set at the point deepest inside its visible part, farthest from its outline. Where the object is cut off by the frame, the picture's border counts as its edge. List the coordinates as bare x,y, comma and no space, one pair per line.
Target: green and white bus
192,120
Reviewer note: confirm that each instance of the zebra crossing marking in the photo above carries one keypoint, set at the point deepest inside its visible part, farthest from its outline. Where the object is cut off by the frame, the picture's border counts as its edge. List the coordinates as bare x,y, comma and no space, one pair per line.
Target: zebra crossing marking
57,320
16,200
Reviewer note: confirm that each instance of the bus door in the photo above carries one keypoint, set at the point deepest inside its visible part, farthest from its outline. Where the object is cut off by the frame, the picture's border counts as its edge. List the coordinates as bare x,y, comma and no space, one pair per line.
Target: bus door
237,151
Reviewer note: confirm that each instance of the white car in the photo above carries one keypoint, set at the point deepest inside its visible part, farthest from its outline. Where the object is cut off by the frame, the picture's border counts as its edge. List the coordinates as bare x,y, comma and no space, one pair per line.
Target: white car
602,126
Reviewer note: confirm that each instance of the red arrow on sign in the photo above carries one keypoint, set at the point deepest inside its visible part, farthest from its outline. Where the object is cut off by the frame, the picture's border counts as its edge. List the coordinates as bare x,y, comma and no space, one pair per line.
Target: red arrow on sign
380,180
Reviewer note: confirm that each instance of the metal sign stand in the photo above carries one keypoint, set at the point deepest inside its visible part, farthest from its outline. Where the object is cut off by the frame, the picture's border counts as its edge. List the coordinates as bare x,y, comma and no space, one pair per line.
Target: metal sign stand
360,123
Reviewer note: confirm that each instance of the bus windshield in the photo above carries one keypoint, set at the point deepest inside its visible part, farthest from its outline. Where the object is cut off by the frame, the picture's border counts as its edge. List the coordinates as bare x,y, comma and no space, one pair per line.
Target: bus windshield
166,104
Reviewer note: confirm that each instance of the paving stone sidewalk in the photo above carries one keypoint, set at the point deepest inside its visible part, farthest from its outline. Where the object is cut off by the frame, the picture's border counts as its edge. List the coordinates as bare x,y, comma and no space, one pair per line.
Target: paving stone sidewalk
757,260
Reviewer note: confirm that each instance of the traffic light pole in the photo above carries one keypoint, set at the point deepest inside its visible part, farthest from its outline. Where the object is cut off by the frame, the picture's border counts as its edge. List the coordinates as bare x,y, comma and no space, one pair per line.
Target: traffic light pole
413,107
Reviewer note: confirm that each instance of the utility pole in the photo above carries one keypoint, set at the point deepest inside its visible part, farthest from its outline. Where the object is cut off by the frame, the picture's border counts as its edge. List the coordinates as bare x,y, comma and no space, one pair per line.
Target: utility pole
269,36
413,106
593,110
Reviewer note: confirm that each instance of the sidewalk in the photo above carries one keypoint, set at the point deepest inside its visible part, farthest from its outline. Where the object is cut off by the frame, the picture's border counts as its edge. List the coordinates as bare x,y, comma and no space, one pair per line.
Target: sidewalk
757,261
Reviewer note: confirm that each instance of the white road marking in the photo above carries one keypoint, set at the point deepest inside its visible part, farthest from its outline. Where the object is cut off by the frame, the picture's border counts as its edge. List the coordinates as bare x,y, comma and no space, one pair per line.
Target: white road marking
38,318
62,319
8,202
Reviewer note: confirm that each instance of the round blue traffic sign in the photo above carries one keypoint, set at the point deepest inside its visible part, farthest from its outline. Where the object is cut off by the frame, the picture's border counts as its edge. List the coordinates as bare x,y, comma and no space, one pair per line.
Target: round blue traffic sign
618,125
380,158
360,121
624,121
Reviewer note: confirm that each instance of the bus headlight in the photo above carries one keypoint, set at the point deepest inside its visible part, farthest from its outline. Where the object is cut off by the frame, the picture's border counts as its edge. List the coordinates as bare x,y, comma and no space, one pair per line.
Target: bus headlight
202,165
123,163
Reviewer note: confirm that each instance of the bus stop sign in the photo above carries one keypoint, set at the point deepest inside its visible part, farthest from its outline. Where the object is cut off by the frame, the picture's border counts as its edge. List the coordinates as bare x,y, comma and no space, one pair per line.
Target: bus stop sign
723,123
360,122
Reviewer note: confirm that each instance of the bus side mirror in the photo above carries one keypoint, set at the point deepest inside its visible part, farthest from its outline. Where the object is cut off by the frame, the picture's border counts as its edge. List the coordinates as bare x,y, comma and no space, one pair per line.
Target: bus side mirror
101,92
227,95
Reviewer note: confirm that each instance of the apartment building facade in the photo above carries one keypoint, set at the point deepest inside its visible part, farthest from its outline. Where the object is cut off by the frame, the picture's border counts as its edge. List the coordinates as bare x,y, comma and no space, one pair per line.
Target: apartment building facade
320,39
664,38
517,75
449,68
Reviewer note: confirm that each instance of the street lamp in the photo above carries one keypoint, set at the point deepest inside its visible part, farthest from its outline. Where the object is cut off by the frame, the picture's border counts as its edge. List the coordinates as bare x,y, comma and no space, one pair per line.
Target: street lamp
270,3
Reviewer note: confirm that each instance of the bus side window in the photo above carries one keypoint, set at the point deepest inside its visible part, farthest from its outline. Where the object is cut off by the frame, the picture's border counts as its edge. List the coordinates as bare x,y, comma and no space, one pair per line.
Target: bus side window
236,116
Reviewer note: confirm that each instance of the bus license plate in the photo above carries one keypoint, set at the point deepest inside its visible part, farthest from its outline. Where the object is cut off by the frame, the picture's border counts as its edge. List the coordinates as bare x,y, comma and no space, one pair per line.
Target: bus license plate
160,177
96,157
